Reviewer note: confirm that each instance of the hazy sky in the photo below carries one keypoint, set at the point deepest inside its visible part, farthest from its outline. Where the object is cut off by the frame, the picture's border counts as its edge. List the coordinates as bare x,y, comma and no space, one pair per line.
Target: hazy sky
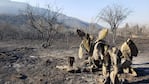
87,10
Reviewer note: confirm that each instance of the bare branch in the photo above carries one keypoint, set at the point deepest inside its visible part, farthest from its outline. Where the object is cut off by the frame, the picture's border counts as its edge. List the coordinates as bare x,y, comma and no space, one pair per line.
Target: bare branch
113,15
43,22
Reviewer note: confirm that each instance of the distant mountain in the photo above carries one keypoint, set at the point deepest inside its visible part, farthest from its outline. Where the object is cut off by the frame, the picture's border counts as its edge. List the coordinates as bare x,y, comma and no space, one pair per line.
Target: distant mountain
9,10
74,22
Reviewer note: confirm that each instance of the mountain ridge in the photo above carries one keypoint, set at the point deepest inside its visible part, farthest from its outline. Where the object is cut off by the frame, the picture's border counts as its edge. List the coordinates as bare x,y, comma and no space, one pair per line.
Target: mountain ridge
11,8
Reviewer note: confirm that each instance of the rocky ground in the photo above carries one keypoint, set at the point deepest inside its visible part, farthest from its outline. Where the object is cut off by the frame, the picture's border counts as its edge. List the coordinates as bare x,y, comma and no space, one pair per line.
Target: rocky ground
25,62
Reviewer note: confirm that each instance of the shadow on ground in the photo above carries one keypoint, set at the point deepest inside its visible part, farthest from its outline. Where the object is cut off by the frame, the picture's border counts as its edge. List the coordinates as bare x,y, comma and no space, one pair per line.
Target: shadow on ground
143,75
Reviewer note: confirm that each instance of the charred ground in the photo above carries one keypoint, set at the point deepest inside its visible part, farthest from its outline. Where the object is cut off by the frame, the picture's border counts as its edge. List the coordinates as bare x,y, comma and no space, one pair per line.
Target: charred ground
26,62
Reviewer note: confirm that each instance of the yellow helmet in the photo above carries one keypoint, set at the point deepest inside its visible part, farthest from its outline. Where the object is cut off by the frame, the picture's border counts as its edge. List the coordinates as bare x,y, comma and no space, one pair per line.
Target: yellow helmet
102,34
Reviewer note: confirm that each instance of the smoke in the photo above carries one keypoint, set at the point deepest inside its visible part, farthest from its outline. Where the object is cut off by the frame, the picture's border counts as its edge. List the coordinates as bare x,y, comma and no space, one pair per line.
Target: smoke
5,0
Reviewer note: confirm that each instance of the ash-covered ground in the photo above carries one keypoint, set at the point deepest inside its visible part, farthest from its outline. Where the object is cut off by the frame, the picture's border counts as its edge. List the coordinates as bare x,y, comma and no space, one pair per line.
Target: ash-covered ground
26,62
